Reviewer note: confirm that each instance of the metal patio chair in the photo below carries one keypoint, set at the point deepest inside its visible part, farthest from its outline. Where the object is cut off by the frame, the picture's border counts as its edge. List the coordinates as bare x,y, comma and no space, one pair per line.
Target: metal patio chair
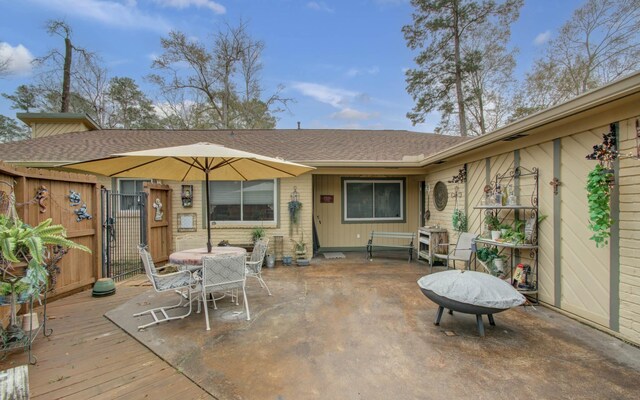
223,273
460,251
256,261
175,282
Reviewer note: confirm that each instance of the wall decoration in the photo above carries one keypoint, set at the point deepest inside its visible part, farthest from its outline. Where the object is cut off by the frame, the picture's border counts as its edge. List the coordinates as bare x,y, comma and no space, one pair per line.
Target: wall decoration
440,195
187,196
187,222
82,214
74,198
41,196
326,198
158,207
294,209
461,177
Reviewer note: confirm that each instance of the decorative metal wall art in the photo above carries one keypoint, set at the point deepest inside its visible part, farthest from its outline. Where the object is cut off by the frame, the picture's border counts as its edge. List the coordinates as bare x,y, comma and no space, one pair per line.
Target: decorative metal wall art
74,198
461,177
41,196
81,213
440,195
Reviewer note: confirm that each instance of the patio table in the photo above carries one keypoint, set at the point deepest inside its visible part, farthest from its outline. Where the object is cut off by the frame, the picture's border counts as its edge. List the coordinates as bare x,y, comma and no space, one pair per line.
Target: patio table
192,258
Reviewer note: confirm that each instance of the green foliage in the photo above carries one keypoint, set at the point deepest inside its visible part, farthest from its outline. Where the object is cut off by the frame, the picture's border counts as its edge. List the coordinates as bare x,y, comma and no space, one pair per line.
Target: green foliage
258,233
462,61
459,221
598,196
12,130
492,221
488,255
20,242
130,107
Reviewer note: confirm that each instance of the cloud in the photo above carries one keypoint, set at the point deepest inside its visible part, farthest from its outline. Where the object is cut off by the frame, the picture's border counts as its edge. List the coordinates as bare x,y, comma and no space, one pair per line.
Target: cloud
353,71
108,12
319,6
181,4
349,114
335,97
18,59
542,38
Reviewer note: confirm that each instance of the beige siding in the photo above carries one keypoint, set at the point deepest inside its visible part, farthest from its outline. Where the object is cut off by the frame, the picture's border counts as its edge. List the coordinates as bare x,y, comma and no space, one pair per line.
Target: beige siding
332,232
44,129
476,181
443,218
541,157
629,233
585,268
241,234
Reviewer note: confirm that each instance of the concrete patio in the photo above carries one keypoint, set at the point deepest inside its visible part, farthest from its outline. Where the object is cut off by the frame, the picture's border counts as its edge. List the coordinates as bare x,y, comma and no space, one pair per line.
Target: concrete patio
350,328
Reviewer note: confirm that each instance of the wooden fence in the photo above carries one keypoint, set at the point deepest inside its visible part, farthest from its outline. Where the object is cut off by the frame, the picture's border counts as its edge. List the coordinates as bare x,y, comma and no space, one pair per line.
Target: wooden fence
61,196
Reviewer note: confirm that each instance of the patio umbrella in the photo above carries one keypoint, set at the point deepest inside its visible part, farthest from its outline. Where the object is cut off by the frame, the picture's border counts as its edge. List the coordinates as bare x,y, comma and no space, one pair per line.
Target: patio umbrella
193,162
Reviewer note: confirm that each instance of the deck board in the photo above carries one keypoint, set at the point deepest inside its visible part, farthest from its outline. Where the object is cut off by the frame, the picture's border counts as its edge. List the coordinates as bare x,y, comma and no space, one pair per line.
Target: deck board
88,357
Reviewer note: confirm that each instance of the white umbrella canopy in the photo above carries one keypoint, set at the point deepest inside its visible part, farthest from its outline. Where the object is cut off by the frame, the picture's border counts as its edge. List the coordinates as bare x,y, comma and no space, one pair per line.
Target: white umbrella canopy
193,162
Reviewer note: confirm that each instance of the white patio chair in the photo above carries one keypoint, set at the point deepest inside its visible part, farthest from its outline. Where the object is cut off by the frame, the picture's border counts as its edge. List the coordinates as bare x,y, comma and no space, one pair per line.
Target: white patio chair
460,251
221,274
256,260
175,282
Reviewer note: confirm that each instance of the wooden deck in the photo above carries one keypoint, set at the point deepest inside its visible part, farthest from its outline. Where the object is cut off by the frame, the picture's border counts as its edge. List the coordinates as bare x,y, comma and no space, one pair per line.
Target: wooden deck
88,357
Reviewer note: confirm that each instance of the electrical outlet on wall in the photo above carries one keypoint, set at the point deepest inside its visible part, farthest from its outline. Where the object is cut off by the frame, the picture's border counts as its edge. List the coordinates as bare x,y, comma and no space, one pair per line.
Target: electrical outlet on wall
357,236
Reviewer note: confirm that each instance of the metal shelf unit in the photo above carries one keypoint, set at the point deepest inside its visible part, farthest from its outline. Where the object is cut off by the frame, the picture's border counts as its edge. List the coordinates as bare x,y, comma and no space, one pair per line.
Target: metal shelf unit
515,176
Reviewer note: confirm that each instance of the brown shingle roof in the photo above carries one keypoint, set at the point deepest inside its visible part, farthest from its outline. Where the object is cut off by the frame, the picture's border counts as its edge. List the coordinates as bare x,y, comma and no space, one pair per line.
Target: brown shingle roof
290,144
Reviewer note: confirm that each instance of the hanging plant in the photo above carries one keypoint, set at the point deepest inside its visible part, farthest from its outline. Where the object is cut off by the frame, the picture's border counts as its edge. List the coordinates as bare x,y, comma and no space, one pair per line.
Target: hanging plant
606,152
459,221
598,196
294,210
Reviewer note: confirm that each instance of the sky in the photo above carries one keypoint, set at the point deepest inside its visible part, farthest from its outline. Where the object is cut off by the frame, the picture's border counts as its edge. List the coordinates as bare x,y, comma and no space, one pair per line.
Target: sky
342,62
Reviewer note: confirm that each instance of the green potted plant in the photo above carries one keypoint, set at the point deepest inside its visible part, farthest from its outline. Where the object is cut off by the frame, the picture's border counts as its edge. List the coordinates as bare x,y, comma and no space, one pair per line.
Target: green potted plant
257,233
300,251
491,257
23,244
459,221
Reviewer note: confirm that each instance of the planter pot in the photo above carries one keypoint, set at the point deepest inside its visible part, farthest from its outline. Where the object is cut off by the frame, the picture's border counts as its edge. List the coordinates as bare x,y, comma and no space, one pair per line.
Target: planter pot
286,260
302,262
271,262
498,264
495,235
503,232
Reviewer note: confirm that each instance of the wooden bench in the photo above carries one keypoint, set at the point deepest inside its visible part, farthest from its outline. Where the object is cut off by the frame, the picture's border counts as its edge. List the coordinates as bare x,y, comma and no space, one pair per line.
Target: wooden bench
392,236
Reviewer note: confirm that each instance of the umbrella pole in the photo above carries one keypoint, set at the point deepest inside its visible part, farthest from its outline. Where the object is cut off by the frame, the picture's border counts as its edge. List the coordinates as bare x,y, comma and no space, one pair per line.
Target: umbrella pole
208,213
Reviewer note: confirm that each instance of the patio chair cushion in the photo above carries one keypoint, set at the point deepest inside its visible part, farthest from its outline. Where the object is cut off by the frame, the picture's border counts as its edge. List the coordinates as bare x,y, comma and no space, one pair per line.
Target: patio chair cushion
471,287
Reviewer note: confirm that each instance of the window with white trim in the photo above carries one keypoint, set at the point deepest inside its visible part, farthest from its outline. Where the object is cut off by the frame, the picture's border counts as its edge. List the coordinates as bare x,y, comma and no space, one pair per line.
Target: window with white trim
243,201
130,189
373,200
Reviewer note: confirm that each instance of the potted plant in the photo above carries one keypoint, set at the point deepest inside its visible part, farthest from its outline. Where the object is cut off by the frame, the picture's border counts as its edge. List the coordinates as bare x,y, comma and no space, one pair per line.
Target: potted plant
22,244
300,251
257,233
492,258
5,291
493,225
459,221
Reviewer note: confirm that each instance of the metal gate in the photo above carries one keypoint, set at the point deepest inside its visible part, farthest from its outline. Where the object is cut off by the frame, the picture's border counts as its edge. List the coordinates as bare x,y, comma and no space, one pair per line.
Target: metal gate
124,227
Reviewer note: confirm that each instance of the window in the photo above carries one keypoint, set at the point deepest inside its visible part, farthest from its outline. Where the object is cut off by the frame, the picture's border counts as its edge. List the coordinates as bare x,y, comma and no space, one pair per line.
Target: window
129,189
238,201
373,200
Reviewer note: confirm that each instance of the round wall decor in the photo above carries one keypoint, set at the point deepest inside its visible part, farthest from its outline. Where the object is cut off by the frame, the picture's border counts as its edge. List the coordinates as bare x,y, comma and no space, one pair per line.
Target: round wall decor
440,195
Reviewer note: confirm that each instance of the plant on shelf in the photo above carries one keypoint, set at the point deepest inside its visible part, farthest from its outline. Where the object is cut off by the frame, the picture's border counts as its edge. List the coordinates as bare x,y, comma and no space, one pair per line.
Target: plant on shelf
459,221
257,233
300,249
491,257
598,197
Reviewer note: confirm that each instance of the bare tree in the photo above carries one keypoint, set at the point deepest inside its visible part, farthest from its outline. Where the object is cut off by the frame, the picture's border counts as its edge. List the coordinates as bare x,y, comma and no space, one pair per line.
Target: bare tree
63,62
225,76
600,43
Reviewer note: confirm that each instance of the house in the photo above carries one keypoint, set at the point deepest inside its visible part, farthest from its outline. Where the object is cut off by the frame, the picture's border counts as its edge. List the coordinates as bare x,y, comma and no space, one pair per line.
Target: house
599,286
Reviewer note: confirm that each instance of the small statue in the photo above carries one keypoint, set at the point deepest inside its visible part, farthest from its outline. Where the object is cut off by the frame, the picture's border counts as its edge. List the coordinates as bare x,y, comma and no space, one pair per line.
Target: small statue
159,213
74,198
82,214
